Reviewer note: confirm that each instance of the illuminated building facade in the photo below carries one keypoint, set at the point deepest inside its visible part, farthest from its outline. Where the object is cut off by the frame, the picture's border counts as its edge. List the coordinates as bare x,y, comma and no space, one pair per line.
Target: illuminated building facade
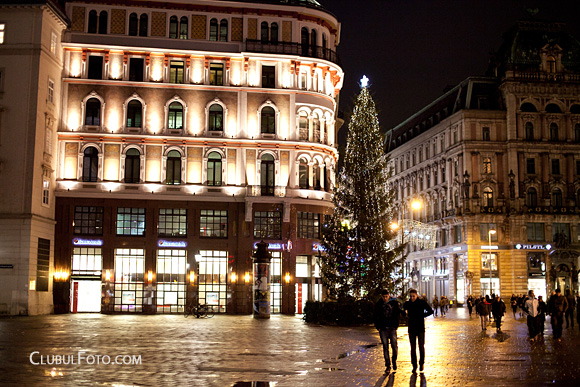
189,131
502,153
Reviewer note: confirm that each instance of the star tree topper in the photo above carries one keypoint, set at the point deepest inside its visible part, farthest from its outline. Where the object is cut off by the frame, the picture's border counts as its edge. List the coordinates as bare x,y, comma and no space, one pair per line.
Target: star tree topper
364,82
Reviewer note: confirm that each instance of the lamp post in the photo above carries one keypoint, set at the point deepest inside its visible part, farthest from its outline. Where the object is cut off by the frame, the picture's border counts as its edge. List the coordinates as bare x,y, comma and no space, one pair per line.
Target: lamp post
489,233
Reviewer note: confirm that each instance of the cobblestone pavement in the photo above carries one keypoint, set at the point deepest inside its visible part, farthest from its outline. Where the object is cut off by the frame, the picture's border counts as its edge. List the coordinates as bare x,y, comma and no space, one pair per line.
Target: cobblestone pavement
284,351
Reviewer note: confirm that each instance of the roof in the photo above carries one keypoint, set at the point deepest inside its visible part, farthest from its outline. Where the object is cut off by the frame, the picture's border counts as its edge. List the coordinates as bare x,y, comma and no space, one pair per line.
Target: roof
301,3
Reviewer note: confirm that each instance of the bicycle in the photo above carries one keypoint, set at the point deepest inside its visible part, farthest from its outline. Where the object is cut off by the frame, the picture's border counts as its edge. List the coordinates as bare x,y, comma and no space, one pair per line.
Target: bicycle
198,310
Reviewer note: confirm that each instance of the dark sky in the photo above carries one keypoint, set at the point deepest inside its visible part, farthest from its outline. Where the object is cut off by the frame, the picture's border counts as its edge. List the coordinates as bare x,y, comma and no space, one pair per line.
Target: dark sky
412,49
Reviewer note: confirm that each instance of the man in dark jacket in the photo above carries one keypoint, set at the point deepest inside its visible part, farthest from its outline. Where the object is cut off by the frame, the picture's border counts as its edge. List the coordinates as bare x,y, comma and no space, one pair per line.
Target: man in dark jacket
417,309
556,307
387,321
569,313
498,310
483,308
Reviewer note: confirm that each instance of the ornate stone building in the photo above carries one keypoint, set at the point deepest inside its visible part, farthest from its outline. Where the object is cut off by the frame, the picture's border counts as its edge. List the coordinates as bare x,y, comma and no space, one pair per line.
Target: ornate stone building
502,153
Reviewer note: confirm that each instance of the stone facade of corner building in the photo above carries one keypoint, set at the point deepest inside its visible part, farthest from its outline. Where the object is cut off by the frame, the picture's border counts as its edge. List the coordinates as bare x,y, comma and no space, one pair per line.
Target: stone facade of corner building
498,152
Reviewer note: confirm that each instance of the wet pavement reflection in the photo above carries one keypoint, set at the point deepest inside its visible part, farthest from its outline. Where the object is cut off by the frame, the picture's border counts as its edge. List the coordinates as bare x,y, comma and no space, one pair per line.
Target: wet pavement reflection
283,351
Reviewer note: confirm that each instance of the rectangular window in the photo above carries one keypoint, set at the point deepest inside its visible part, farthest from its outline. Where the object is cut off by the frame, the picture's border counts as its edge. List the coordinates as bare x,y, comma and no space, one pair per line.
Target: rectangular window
485,262
276,282
130,221
216,74
213,223
45,192
531,166
2,30
443,175
458,234
427,152
486,134
53,42
302,266
303,81
267,225
555,166
50,96
484,230
442,144
535,232
95,67
172,222
88,220
176,71
136,69
213,279
561,232
87,261
578,167
129,278
308,225
42,265
269,76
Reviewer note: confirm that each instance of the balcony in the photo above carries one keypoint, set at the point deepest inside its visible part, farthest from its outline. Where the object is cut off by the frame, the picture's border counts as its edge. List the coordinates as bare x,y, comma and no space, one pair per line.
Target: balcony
292,49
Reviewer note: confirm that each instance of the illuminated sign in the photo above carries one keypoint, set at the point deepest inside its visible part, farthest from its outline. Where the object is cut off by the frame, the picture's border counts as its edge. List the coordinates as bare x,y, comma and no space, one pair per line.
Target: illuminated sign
319,247
164,243
273,246
533,247
87,242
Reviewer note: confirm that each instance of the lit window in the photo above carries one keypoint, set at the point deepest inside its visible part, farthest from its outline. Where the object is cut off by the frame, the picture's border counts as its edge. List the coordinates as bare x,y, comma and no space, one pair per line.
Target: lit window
487,197
53,42
45,192
487,165
2,29
50,97
213,223
214,169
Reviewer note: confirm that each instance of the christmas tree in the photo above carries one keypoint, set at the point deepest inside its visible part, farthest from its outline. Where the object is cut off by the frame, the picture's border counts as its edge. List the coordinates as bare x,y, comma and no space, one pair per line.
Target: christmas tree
359,257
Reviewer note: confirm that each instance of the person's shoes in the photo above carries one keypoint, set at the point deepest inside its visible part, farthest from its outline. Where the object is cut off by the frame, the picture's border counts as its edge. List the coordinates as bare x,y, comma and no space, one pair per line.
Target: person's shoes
387,370
394,366
414,369
421,368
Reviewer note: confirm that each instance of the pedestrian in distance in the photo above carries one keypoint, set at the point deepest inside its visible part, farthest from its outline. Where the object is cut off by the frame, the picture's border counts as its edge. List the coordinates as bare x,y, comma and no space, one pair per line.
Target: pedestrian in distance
435,304
470,304
482,309
570,311
498,310
557,304
514,304
387,311
442,306
417,310
543,310
532,309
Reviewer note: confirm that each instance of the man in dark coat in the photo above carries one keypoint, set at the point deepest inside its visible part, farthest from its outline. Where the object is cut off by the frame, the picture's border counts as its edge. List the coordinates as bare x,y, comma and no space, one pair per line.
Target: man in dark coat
417,309
498,310
387,321
557,304
569,313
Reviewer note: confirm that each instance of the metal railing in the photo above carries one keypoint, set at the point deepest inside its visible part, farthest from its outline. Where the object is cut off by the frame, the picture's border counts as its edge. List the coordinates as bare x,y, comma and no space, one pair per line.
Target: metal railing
254,45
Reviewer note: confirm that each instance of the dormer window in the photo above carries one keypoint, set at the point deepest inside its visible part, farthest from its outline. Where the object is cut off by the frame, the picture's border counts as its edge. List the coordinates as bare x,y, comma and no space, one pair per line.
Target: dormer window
551,64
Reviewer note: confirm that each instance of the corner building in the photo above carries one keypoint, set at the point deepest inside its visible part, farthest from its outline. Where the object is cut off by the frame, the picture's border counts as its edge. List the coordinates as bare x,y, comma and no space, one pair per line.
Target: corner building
190,131
502,153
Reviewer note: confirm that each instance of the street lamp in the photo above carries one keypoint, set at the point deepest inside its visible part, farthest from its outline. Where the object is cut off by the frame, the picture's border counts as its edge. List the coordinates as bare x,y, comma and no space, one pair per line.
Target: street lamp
489,233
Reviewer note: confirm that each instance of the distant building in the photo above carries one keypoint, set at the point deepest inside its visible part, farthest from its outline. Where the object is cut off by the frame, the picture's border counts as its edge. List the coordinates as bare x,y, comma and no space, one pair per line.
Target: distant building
188,131
501,153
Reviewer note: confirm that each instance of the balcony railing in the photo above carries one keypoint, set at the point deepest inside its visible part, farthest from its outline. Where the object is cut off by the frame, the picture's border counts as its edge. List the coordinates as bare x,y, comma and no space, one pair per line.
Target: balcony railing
292,49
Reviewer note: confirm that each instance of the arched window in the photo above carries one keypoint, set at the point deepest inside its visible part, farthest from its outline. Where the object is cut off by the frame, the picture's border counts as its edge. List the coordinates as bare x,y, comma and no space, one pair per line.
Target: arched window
264,33
487,197
183,27
143,24
303,175
553,108
557,198
305,41
553,131
486,165
313,40
577,132
213,30
274,33
268,120
214,169
532,198
551,64
132,166
175,115
173,175
327,185
216,118
134,114
133,24
529,131
173,27
223,30
90,164
324,50
528,107
93,22
316,181
93,112
316,129
267,175
303,128
103,22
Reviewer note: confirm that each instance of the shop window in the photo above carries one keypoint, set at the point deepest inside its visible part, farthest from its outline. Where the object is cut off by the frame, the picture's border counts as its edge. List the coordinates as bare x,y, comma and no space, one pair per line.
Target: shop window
532,197
536,263
486,134
90,164
267,177
93,112
216,74
173,170
555,166
136,69
130,221
302,269
276,282
213,224
535,232
175,116
88,220
531,166
308,225
95,70
134,114
133,166
214,169
269,76
176,70
484,232
87,261
554,131
216,118
268,120
303,176
267,225
171,284
556,201
42,265
485,261
129,278
561,233
213,279
172,222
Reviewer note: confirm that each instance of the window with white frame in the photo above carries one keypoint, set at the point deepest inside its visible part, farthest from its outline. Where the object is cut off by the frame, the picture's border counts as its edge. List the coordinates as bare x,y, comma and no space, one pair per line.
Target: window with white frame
50,96
2,31
53,42
45,191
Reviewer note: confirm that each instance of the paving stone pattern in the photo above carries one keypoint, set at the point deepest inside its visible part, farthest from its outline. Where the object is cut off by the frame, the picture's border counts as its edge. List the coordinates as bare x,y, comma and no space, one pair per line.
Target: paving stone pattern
284,351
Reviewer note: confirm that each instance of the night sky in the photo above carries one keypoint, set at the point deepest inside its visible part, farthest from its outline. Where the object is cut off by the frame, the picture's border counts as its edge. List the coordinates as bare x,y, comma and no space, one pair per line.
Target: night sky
412,49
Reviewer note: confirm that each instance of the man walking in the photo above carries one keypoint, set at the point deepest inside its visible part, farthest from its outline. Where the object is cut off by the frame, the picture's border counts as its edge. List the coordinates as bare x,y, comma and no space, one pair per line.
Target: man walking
532,309
543,310
387,321
570,311
435,304
498,310
417,309
556,306
483,309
